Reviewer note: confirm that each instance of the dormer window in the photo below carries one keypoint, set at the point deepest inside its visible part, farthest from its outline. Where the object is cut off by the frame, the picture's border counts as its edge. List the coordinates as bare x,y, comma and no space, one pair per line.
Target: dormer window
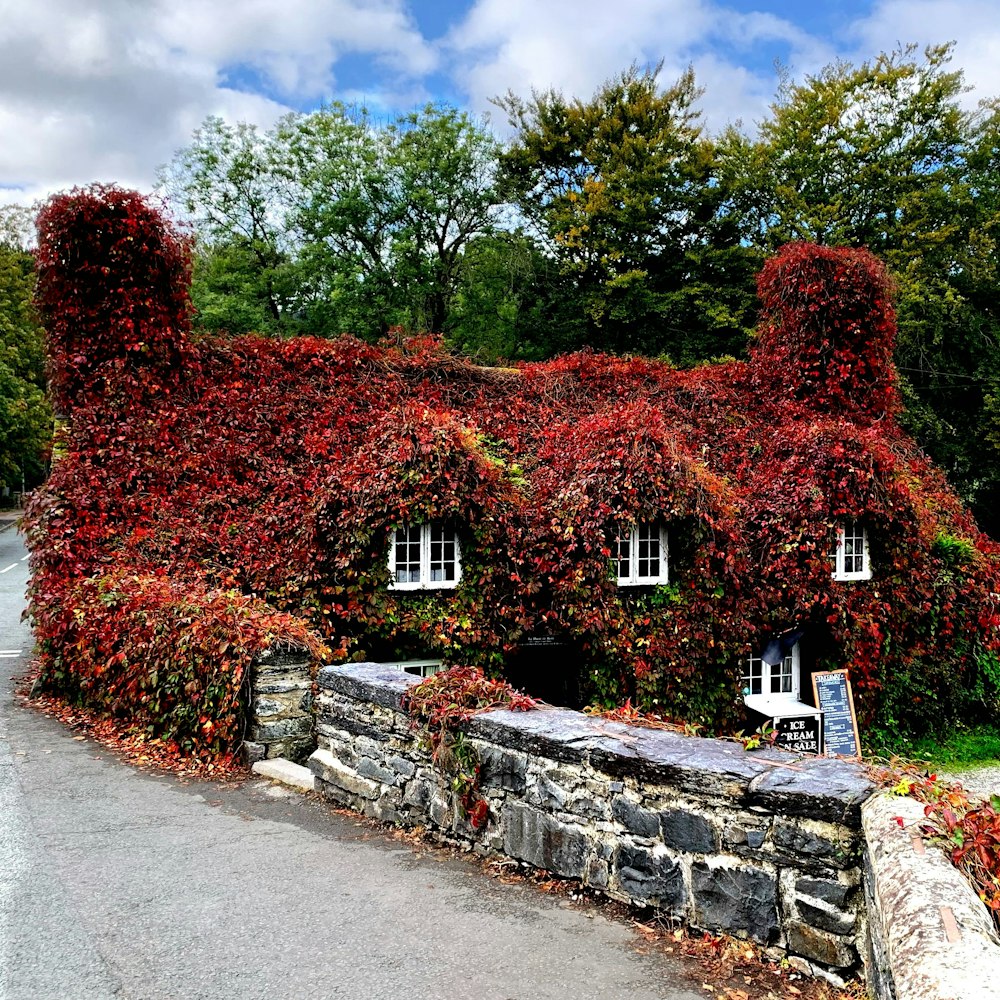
424,557
640,555
850,553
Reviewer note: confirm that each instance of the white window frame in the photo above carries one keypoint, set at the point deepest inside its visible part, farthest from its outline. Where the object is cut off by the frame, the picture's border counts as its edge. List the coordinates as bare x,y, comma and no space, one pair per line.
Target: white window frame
425,582
789,667
632,533
838,558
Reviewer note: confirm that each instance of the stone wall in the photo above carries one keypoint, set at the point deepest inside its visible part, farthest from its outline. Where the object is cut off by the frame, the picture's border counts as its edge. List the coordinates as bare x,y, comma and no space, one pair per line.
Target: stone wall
280,716
765,845
931,937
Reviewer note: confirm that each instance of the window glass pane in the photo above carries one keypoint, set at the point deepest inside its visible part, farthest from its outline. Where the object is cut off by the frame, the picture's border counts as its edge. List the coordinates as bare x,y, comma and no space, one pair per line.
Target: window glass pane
752,674
406,554
649,550
854,548
443,554
781,676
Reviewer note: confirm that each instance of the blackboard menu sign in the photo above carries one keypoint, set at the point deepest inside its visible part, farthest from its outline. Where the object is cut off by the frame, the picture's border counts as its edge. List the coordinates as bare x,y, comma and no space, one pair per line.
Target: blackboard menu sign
832,689
800,732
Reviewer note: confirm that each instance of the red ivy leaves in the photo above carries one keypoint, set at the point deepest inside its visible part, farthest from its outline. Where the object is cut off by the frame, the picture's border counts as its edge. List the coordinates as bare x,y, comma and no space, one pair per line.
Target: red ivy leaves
112,287
280,468
441,705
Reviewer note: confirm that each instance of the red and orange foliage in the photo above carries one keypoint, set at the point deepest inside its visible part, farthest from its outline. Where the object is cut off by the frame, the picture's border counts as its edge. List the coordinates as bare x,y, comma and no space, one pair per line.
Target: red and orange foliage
441,705
261,479
112,288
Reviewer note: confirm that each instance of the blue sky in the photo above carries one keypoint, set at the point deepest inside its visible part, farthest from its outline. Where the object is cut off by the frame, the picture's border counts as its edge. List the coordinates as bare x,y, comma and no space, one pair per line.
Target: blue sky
108,89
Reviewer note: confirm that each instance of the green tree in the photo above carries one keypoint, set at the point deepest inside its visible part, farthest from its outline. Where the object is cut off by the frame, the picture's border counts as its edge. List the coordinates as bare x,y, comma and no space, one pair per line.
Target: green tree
512,301
25,414
621,191
229,183
333,221
883,155
384,214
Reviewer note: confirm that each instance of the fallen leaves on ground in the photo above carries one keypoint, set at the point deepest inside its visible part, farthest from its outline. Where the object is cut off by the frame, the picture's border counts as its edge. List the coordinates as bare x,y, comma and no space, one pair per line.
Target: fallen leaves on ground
130,744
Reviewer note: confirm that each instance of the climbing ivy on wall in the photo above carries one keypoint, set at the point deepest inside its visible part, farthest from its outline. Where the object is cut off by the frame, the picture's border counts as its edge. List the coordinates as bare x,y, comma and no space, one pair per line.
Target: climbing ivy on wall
262,479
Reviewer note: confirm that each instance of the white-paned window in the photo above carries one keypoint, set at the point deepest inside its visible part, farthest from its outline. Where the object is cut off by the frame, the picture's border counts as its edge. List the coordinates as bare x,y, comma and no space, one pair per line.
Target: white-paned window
758,677
424,556
640,554
849,557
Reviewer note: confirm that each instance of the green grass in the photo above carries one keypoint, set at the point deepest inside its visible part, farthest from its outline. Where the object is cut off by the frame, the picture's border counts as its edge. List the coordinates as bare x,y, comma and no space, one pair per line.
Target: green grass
955,750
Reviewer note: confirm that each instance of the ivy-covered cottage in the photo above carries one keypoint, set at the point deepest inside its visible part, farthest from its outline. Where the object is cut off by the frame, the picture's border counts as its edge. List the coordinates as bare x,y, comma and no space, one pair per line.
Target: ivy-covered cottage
596,528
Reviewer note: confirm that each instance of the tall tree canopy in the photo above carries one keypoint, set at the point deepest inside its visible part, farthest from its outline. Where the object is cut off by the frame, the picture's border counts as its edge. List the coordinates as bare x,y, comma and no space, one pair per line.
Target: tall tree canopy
617,222
621,190
25,415
334,222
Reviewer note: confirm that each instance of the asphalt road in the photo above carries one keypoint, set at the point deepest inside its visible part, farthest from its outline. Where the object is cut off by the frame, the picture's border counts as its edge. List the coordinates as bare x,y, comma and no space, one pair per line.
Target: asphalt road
119,883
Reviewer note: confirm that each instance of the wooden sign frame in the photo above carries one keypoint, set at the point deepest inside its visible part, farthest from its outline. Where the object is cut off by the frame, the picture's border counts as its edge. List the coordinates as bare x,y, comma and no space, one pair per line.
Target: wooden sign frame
850,706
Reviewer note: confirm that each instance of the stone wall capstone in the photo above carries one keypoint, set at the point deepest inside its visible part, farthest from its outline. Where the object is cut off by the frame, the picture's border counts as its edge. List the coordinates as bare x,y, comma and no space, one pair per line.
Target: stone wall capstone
764,845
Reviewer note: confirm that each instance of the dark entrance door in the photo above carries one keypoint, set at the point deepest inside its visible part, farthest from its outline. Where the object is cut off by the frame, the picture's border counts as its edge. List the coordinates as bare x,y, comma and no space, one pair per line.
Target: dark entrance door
547,667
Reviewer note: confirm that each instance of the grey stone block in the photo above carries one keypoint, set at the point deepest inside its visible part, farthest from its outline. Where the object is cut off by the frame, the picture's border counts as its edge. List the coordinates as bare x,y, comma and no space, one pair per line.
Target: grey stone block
543,841
825,917
739,835
556,734
826,789
253,752
597,875
295,749
263,707
403,767
417,793
327,721
590,809
827,890
368,768
635,819
281,729
797,838
820,946
649,878
440,812
329,770
547,794
281,659
277,684
367,682
687,831
735,899
502,769
287,773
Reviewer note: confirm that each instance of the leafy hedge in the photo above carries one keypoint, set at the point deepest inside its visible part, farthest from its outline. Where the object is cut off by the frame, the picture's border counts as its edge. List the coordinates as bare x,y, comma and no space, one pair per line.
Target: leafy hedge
277,470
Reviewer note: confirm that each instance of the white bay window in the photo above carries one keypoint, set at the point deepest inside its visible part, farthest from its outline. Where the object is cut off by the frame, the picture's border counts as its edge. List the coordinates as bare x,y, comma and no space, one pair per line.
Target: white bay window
760,678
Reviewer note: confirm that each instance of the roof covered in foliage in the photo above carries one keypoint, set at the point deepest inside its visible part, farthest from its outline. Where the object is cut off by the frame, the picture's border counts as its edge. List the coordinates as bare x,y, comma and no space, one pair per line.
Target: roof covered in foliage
269,474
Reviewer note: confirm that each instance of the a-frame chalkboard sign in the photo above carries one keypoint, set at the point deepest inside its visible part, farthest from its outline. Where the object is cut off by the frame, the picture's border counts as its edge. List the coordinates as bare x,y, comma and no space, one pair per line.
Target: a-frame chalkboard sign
832,690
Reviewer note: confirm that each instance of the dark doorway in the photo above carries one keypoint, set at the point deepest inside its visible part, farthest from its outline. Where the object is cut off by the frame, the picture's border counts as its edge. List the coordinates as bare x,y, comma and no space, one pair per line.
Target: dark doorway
548,668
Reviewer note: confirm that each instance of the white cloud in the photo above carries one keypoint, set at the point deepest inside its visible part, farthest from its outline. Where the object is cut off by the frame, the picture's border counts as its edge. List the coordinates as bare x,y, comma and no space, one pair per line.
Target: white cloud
574,45
974,25
295,43
108,89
